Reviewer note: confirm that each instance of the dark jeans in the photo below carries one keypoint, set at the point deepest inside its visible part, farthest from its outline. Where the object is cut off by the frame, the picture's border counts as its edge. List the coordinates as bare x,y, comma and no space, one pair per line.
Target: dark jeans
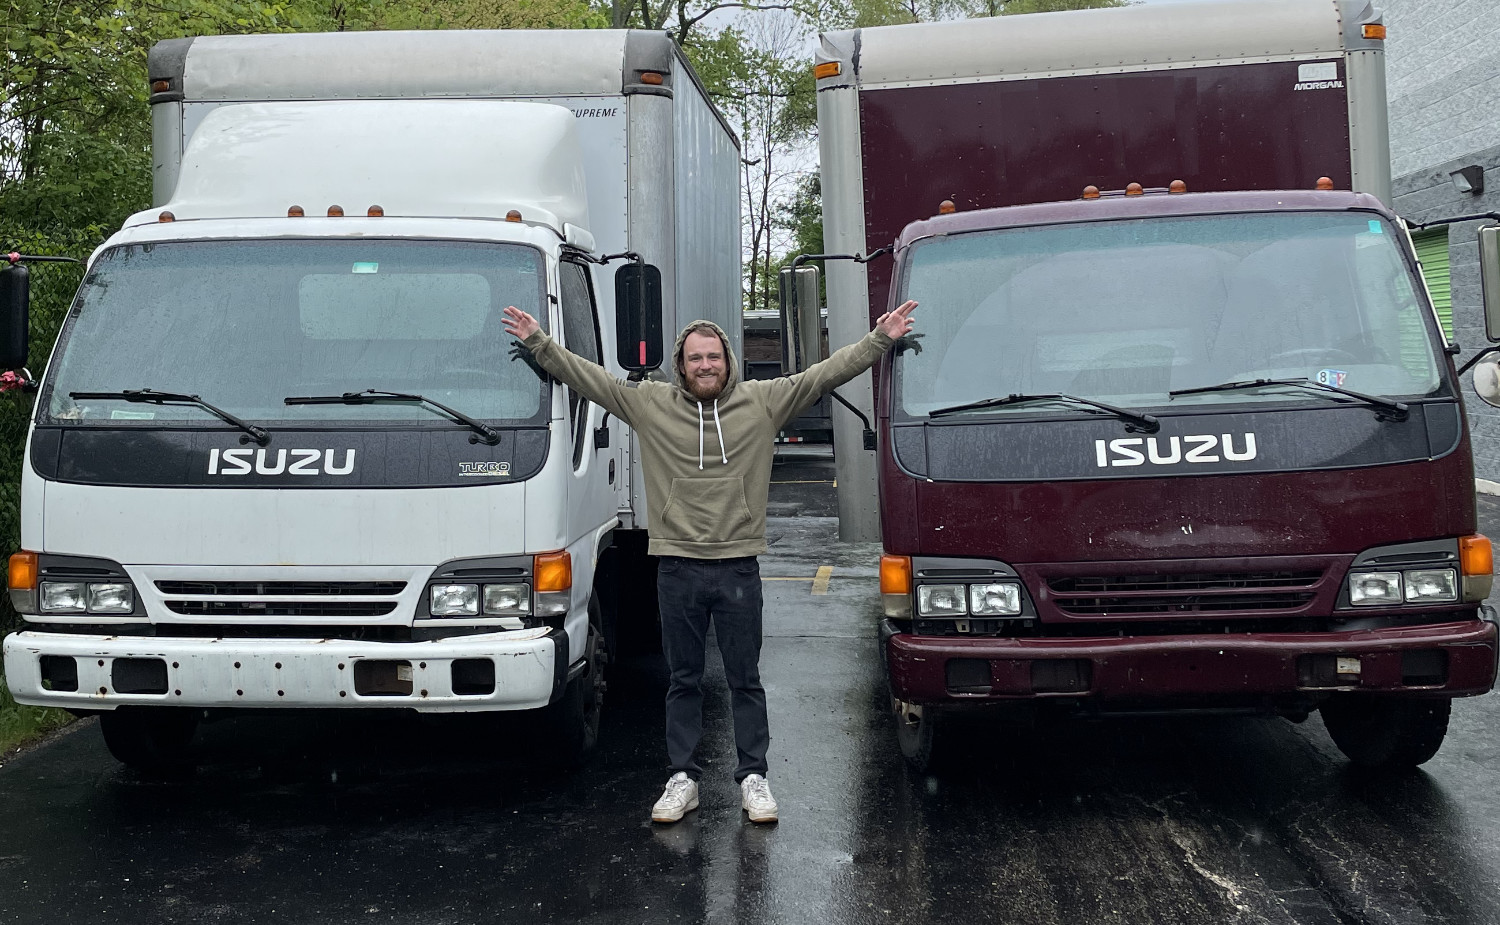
692,592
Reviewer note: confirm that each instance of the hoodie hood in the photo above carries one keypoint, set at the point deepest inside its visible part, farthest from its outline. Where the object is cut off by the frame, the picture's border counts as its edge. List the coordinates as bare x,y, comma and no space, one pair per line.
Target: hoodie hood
730,361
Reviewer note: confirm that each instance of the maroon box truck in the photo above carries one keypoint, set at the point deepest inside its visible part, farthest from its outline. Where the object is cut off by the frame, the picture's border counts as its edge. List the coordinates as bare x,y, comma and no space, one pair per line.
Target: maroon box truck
1151,449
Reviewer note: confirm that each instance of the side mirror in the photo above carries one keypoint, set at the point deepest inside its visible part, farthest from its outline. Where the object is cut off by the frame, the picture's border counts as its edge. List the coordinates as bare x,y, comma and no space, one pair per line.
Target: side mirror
638,343
1487,380
1489,277
15,299
801,320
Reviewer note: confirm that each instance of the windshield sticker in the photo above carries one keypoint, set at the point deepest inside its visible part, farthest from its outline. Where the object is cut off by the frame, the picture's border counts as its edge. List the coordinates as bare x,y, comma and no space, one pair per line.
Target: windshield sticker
1334,377
1375,227
484,468
126,415
369,266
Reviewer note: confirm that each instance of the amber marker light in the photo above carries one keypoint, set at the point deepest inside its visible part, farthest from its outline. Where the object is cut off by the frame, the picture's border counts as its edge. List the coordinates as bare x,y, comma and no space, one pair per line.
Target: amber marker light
295,212
1374,30
895,574
375,212
1091,192
166,217
21,576
335,211
1177,186
162,86
553,571
1324,183
946,207
826,69
1134,189
513,216
653,78
1474,554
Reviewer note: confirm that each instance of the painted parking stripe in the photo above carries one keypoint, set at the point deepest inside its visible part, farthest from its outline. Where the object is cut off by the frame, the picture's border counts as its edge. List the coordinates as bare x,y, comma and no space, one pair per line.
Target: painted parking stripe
820,581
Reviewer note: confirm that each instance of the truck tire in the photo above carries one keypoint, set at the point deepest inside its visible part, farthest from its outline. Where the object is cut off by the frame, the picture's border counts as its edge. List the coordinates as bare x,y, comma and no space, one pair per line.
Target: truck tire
154,740
571,725
919,734
1386,733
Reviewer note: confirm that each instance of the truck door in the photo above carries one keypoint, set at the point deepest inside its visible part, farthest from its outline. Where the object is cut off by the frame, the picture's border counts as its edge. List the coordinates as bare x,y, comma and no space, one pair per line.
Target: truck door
595,473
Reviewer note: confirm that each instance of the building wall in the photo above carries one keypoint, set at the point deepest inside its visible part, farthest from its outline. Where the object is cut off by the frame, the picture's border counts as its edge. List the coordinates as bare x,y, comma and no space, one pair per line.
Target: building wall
1443,86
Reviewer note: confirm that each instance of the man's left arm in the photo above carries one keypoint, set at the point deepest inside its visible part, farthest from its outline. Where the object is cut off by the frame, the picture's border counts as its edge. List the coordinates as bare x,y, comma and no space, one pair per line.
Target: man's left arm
792,395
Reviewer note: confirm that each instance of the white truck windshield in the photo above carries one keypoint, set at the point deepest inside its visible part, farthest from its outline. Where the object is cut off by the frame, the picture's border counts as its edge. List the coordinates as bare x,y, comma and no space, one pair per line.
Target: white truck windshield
245,324
1128,311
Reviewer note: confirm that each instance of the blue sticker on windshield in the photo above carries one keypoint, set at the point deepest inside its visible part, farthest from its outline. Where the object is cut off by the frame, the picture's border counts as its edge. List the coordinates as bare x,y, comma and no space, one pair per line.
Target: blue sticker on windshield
1333,377
370,267
1375,227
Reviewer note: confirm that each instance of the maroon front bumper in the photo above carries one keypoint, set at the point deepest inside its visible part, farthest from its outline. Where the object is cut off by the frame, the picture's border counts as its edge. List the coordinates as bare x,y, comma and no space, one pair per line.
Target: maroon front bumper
1448,659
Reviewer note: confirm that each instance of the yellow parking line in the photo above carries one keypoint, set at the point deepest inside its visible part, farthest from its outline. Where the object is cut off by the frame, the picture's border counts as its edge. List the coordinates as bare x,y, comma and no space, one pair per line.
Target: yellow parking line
820,581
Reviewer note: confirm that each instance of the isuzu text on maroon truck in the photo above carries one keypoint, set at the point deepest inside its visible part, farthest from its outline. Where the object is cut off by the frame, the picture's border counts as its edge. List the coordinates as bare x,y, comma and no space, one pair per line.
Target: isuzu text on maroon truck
1198,445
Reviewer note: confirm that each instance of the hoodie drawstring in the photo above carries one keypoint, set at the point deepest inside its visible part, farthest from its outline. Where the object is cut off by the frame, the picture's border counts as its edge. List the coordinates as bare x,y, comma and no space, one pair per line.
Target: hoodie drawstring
723,453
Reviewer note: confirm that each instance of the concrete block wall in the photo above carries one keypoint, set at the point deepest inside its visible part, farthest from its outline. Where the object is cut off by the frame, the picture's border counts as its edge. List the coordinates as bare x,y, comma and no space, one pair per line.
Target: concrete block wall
1443,86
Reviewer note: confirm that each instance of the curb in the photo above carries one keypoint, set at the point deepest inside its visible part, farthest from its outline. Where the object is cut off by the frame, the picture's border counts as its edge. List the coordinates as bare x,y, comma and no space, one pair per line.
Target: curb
1486,487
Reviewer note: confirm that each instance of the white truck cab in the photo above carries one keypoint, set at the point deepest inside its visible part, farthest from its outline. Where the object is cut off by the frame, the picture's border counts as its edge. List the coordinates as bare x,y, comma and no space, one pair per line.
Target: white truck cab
284,454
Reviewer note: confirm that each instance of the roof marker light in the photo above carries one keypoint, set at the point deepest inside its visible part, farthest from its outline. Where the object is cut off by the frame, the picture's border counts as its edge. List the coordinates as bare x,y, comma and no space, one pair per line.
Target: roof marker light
1091,192
335,211
826,69
513,216
653,78
1324,183
166,217
1374,30
1177,186
375,212
946,207
1134,189
162,86
295,212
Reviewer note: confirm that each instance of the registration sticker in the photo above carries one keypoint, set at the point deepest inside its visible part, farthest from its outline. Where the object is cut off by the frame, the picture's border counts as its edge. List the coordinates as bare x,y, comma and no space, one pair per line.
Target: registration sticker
1334,377
119,414
368,266
1347,665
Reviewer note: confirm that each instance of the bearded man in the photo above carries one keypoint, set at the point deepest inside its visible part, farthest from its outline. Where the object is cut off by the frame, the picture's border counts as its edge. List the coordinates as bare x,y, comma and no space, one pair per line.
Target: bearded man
707,444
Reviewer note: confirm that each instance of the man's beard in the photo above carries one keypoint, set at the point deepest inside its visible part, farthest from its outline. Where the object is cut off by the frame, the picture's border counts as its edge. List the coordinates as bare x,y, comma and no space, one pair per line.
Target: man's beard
706,390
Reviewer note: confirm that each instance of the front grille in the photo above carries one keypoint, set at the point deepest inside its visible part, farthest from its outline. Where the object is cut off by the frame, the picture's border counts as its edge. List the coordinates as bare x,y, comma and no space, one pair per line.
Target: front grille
1174,595
261,588
232,608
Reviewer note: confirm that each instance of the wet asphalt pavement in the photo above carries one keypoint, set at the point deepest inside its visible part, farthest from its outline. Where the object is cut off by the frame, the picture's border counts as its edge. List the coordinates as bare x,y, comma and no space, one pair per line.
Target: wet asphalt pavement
343,819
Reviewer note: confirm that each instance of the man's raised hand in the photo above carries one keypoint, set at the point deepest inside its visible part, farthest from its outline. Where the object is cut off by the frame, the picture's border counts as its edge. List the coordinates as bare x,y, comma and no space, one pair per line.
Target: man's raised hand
897,324
519,324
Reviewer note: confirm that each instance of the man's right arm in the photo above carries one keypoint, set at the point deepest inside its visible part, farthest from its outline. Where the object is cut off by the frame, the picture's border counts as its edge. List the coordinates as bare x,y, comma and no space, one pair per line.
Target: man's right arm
591,380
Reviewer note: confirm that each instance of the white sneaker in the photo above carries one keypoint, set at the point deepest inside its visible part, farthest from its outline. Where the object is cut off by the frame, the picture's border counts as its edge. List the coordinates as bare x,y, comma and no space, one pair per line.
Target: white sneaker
757,799
680,796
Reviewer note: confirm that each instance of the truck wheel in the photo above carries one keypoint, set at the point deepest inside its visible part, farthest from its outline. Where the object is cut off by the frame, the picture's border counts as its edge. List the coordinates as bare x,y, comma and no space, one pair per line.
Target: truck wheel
1387,733
572,724
919,733
150,739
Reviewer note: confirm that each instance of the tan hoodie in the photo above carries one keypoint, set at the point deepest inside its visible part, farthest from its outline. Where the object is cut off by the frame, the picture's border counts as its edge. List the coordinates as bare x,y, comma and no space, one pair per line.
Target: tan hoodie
707,464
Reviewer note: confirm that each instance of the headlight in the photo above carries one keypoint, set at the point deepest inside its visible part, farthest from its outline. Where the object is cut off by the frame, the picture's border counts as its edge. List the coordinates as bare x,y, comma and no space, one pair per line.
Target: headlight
63,597
1431,585
1003,598
111,597
455,600
507,599
1371,588
941,600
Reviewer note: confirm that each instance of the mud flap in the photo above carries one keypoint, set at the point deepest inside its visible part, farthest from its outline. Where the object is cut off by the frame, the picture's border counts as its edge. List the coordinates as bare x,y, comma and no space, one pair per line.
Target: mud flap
560,651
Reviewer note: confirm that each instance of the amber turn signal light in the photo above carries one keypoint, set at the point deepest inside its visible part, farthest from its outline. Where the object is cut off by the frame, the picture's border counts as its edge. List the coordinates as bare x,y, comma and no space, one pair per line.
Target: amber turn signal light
1475,554
895,574
21,576
553,571
1374,30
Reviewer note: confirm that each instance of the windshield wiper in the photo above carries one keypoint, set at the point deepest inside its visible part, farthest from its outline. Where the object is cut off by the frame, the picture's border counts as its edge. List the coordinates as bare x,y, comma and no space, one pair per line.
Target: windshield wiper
153,397
1144,422
376,396
1386,409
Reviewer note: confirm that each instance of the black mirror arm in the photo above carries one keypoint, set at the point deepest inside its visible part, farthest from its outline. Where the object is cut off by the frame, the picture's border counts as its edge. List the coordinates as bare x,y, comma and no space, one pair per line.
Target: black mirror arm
1418,226
800,259
1473,360
14,258
869,432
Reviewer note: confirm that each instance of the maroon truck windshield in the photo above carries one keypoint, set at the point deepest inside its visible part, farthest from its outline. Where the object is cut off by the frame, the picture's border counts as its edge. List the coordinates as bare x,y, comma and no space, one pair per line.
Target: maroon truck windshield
1129,311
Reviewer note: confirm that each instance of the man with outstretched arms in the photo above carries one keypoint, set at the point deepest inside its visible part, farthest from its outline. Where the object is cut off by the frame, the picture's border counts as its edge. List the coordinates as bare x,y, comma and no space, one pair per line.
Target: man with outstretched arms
707,443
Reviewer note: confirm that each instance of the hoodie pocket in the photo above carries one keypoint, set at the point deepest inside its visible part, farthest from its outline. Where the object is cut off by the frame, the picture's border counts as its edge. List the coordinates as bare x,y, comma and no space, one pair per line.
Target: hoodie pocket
707,511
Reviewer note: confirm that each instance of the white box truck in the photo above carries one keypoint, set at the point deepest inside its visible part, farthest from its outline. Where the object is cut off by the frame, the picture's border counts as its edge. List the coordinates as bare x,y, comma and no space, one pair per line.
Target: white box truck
284,454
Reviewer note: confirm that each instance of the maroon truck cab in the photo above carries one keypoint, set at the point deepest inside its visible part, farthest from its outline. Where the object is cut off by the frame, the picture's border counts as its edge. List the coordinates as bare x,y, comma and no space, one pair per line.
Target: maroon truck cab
1179,451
